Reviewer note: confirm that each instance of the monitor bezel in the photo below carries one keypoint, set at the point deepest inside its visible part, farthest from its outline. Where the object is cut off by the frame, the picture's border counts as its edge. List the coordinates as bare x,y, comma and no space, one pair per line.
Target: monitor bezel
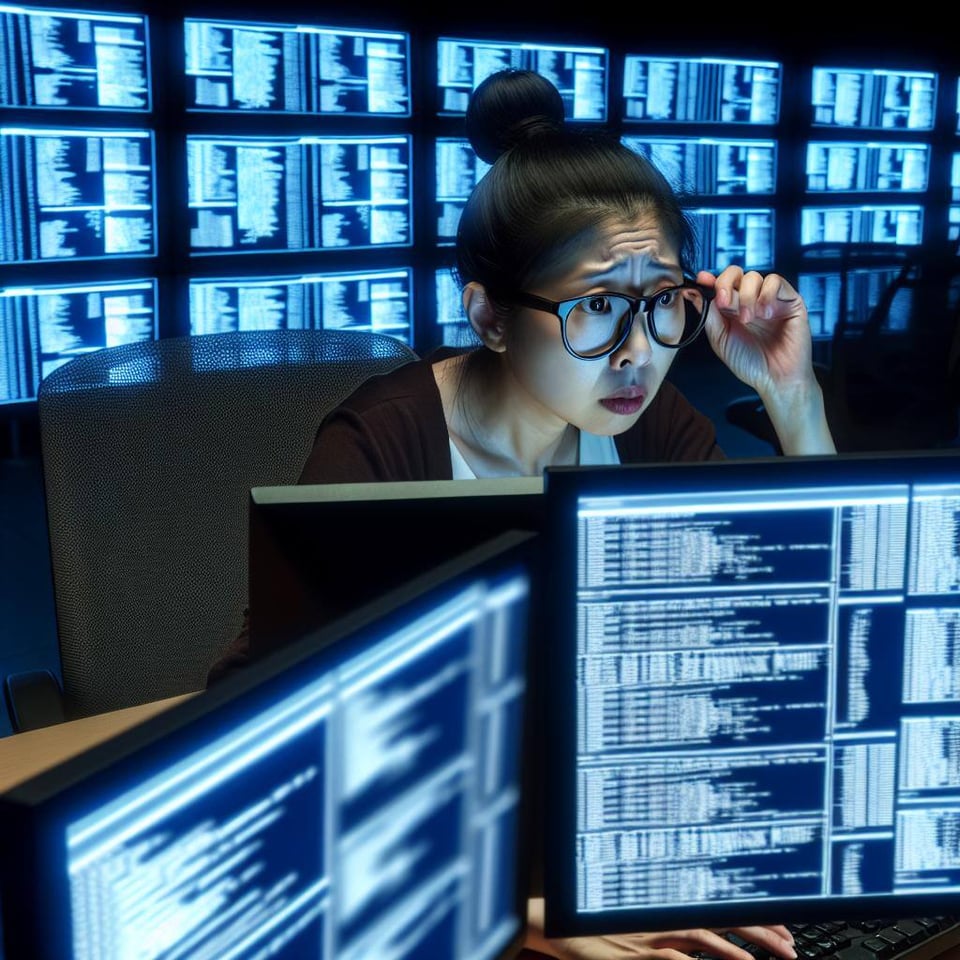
385,532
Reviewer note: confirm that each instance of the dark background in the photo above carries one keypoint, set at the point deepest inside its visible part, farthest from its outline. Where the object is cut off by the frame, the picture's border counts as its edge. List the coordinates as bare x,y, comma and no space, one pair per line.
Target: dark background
896,394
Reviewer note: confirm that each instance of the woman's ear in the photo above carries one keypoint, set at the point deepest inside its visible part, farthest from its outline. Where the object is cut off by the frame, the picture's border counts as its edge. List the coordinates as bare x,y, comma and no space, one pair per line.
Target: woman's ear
483,317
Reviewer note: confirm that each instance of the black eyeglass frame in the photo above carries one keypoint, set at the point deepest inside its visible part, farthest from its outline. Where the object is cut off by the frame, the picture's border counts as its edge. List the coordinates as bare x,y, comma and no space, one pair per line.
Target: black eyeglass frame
561,310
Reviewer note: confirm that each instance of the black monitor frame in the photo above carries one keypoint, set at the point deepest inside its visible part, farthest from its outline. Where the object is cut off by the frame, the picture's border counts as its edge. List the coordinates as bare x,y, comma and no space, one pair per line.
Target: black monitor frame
382,534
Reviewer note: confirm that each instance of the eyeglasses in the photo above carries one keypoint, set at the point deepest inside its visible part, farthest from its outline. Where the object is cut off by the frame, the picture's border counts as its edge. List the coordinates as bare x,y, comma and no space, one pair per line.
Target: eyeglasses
595,326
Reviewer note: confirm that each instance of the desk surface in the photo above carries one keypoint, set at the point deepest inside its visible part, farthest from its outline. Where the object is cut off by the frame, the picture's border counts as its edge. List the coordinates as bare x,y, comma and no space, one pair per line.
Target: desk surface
23,755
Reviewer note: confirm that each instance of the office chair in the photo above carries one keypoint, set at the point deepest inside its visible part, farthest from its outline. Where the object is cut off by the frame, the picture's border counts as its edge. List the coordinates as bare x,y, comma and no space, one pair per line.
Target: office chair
149,451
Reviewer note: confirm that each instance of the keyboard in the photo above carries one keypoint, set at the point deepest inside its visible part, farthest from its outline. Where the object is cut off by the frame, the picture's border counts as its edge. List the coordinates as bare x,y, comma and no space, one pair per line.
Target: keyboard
918,938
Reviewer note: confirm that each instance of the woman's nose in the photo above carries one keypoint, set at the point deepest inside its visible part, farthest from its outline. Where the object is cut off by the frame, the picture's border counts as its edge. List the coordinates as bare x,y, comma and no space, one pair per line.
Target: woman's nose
636,349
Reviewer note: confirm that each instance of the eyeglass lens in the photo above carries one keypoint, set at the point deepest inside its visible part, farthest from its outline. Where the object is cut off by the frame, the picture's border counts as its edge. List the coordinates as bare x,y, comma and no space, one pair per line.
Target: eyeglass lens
596,324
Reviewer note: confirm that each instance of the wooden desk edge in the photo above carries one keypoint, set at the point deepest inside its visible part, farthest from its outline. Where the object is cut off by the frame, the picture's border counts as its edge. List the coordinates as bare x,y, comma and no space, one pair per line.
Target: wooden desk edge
944,947
23,755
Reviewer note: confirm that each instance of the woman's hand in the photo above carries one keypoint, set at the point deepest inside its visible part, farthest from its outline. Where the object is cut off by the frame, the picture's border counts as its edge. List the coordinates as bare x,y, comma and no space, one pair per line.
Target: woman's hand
669,945
675,945
758,326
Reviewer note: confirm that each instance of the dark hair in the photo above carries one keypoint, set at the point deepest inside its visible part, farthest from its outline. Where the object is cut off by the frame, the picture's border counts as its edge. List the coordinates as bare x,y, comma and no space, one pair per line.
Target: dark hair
549,187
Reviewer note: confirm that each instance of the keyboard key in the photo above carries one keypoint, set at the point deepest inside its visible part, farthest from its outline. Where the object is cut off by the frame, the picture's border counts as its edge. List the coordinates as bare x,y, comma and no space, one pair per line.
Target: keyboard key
881,949
912,930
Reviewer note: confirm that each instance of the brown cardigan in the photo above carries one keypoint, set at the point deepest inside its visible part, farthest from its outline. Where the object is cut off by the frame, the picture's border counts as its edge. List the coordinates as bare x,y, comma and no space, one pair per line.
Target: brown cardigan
393,428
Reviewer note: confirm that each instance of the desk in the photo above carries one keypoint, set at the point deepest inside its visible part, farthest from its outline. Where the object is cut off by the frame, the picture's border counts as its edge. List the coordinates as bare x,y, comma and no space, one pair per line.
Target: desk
23,755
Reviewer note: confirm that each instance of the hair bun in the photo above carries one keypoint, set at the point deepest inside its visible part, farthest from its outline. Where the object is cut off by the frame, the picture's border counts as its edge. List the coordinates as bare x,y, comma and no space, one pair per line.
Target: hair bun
509,107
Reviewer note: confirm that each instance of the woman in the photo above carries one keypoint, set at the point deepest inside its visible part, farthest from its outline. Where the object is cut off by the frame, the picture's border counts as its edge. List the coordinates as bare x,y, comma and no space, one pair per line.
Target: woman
567,373
575,260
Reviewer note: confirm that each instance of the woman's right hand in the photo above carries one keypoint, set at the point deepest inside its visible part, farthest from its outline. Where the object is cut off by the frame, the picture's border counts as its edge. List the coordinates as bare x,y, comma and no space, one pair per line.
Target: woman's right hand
664,945
673,945
758,326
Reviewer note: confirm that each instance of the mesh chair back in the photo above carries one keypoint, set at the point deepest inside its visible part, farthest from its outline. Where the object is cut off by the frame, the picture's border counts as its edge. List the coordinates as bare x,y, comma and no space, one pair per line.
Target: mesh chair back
149,453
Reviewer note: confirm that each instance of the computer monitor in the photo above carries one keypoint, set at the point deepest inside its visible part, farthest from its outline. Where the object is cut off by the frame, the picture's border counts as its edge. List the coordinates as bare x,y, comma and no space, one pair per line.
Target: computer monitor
842,167
753,692
316,551
57,58
711,166
359,794
580,73
744,235
458,171
236,65
678,90
86,193
251,194
44,326
899,223
874,99
852,296
374,301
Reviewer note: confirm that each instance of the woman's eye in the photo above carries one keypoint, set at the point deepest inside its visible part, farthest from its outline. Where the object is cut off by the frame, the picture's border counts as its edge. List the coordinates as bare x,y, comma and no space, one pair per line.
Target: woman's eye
667,298
597,305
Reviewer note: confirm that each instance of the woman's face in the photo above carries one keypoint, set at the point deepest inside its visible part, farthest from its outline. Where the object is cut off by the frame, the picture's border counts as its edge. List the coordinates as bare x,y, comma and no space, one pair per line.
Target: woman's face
605,396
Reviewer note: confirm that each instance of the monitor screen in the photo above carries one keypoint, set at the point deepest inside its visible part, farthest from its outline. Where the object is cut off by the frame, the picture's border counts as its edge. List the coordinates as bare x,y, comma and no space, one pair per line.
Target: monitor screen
296,68
874,99
76,193
741,235
43,327
895,223
823,293
700,90
70,59
711,166
379,301
753,691
953,212
455,329
844,167
459,170
252,194
579,73
899,223
361,794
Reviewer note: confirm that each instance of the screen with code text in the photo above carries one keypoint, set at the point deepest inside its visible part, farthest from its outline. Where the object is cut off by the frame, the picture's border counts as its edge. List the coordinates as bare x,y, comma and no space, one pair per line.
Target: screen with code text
763,665
296,68
358,793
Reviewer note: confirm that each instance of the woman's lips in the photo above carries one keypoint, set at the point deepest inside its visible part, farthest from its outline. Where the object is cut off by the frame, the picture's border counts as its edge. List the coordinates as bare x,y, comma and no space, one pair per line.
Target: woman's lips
625,402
